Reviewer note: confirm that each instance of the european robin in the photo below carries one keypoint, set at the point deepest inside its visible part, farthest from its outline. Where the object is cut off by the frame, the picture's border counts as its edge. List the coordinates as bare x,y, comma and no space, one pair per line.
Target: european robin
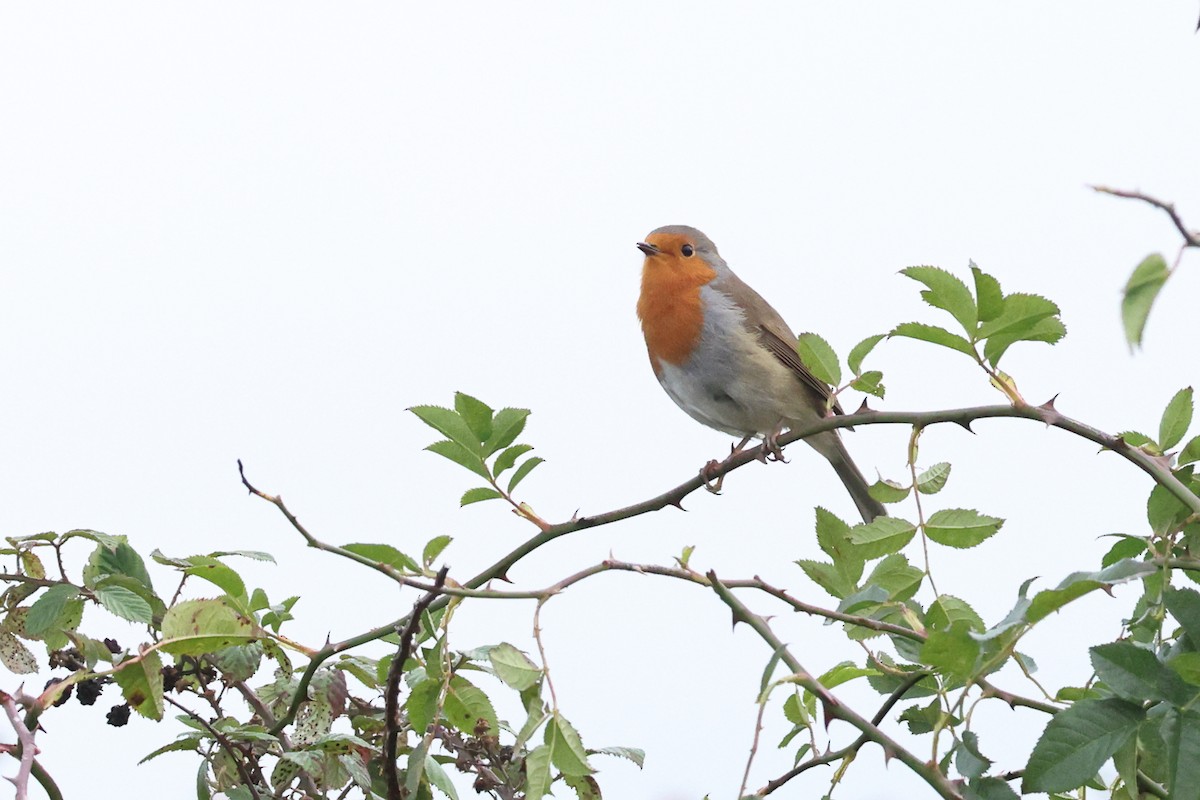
727,358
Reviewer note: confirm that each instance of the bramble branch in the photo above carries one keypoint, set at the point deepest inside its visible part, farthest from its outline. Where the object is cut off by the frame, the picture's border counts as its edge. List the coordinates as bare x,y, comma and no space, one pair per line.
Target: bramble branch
1190,238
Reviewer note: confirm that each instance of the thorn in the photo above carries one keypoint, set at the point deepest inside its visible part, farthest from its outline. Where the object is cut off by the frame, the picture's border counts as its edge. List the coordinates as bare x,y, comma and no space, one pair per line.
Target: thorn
575,516
736,620
503,576
965,424
678,503
1049,404
1108,589
888,755
863,409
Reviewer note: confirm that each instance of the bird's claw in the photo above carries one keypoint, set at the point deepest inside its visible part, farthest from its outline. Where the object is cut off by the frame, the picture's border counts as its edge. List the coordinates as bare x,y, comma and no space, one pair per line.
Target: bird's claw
706,474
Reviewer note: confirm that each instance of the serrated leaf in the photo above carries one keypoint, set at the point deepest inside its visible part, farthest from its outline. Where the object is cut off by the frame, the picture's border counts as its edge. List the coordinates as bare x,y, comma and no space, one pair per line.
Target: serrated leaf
1184,605
31,565
882,536
185,743
1190,452
508,458
1021,311
506,427
46,609
1125,547
1187,667
1181,733
833,537
1140,290
934,335
933,480
989,789
821,360
1076,743
960,527
947,610
947,292
886,491
860,351
514,667
988,294
478,495
585,786
476,414
125,604
450,424
967,759
141,684
1176,419
254,555
844,672
526,467
460,455
537,773
384,554
196,627
1048,330
897,577
566,749
869,597
16,656
870,383
1078,584
218,573
115,559
434,548
1135,674
466,704
828,577
439,778
1164,511
951,650
421,704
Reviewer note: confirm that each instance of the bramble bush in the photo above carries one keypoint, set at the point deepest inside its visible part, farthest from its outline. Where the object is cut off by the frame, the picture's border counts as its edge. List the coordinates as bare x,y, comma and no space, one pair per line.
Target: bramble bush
267,716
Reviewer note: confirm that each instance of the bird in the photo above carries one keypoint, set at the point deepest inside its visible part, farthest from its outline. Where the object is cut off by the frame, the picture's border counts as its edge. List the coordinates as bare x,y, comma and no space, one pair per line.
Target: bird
728,359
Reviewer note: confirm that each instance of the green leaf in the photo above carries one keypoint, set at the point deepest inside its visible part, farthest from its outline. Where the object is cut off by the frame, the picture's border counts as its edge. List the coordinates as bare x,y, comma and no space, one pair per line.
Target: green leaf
439,778
844,672
1190,452
1140,290
960,527
414,770
450,424
989,789
585,786
46,609
141,684
1181,732
187,742
987,290
953,651
1021,311
897,577
1184,605
1125,547
869,383
508,458
421,704
537,773
196,627
384,554
256,555
948,293
1135,674
882,536
526,467
461,456
125,604
1176,419
948,610
476,414
828,577
922,720
967,758
434,548
1078,584
506,427
833,537
566,750
1076,743
1137,439
934,335
886,491
514,667
115,559
478,495
860,351
1048,330
1164,511
218,573
1187,667
16,656
933,480
466,706
816,354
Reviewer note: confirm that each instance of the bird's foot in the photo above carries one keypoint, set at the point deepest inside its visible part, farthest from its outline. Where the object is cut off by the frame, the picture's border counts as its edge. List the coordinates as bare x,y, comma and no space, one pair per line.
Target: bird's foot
771,449
707,473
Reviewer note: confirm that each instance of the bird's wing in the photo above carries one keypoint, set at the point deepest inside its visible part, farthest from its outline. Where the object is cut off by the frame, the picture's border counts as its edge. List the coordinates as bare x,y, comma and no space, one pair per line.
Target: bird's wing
765,323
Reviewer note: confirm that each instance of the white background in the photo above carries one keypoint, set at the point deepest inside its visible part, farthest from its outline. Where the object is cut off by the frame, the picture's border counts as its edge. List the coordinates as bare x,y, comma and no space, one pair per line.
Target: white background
262,231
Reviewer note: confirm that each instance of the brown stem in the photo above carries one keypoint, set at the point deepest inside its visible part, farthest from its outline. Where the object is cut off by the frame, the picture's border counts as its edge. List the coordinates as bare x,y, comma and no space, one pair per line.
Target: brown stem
1191,238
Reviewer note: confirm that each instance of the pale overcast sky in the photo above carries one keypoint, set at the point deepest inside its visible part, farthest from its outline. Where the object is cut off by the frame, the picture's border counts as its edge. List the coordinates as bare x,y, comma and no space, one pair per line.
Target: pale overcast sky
262,231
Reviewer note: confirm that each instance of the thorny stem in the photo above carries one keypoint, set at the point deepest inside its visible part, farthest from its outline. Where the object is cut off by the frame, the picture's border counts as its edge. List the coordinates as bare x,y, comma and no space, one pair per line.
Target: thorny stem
1190,238
834,708
537,636
25,740
758,726
392,692
224,743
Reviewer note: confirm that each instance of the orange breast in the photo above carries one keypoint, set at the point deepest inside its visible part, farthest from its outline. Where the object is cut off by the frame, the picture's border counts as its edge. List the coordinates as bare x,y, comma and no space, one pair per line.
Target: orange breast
670,307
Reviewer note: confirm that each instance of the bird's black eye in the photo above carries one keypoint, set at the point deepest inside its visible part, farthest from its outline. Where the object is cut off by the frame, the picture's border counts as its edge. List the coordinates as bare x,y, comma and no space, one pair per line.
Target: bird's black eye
688,251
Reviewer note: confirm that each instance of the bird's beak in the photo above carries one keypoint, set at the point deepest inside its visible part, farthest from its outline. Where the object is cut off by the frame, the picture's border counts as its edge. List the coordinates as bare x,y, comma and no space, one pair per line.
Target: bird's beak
648,248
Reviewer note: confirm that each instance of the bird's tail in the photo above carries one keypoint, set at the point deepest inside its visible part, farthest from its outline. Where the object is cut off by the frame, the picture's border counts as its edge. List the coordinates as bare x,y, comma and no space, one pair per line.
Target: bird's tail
833,449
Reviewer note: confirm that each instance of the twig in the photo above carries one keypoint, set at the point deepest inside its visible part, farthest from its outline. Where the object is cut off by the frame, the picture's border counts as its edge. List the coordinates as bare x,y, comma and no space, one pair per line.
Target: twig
223,742
27,747
835,755
392,692
1190,238
46,782
758,726
834,708
537,637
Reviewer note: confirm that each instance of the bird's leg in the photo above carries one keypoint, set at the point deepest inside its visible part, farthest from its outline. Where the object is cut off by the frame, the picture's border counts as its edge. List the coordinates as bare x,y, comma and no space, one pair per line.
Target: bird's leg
706,472
772,451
